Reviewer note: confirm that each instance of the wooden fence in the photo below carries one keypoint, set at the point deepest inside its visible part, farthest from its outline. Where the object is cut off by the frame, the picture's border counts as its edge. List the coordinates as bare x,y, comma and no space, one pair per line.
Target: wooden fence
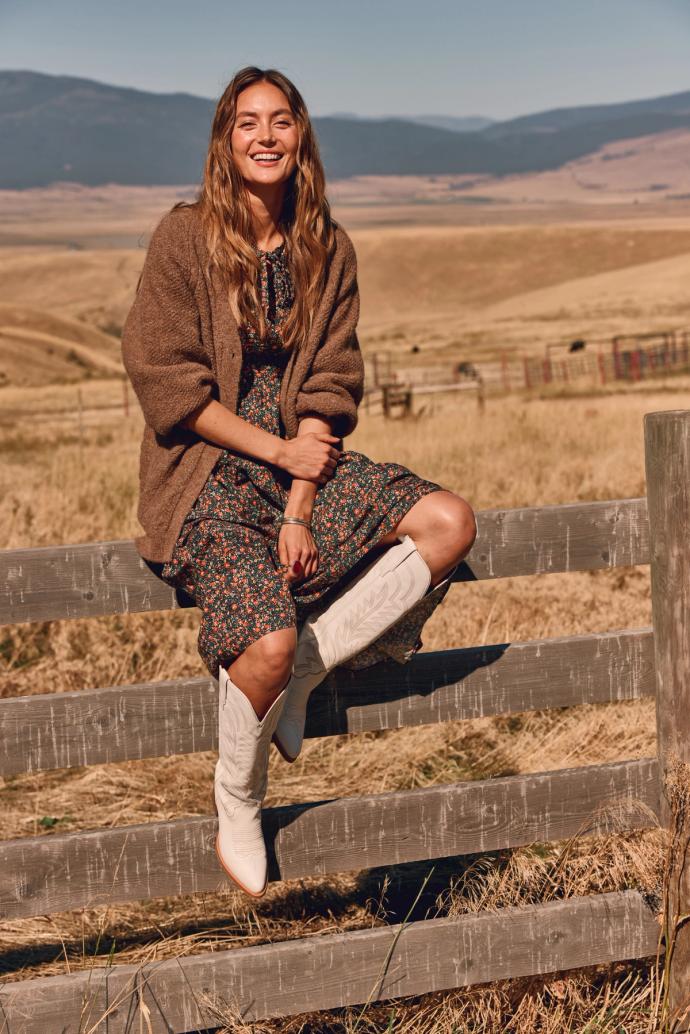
45,874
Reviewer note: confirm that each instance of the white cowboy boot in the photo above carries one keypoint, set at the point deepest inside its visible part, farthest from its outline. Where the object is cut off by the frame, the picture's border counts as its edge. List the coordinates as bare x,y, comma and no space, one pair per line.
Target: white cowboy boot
367,608
240,783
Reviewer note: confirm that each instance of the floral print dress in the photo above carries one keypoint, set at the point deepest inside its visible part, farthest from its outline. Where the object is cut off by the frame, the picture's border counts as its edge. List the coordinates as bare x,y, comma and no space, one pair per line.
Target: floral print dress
226,555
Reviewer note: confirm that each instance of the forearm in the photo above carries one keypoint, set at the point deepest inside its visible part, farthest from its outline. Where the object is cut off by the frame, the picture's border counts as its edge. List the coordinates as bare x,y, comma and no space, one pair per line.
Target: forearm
219,425
303,493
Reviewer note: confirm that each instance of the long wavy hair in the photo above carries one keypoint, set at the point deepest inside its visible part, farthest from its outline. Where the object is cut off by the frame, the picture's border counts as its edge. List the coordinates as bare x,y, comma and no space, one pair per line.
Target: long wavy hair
306,223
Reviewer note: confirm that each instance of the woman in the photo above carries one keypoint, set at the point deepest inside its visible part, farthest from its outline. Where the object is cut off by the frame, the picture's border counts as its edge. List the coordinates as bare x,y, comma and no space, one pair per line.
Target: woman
241,345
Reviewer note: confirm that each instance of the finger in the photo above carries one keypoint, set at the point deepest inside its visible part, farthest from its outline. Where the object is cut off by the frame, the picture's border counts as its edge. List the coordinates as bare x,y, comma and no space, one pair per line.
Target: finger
290,574
282,550
311,565
289,552
297,569
327,437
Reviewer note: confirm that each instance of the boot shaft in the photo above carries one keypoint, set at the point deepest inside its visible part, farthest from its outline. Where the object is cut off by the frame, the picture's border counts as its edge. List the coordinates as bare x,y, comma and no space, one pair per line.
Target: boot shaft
244,740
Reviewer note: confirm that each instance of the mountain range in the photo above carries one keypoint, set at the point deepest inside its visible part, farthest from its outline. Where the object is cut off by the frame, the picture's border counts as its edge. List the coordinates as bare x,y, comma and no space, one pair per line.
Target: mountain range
63,128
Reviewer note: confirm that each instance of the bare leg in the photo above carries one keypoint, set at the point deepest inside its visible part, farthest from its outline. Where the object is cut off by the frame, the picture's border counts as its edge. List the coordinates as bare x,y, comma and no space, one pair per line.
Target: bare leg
443,529
262,670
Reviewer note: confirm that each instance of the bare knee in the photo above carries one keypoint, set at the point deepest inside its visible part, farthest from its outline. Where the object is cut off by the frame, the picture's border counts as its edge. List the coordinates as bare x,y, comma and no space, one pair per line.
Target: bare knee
454,524
272,656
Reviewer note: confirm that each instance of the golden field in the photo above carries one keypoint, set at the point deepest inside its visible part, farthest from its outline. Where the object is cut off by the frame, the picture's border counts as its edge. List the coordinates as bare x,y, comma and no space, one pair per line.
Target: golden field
456,281
71,476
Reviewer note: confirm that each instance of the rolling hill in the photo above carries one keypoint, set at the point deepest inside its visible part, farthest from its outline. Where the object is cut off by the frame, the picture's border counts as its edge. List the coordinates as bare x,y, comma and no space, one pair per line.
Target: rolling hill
67,129
38,348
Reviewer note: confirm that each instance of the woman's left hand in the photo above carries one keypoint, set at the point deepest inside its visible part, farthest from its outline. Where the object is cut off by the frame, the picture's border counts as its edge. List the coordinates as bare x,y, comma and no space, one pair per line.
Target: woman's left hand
296,546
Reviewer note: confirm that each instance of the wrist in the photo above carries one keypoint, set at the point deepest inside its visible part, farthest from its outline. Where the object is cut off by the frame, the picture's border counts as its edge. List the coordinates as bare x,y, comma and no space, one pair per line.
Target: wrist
301,499
300,522
276,452
303,513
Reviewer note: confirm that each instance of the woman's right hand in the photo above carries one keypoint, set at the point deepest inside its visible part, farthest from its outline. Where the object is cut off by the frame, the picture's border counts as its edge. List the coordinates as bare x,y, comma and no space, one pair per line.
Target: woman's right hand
311,456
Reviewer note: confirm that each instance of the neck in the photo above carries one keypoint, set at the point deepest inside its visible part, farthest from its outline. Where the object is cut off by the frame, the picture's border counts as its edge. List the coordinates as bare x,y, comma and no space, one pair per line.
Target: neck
266,206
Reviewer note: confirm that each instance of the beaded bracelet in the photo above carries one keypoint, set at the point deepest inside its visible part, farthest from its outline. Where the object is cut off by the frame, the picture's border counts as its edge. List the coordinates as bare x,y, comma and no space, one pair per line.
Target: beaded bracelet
294,520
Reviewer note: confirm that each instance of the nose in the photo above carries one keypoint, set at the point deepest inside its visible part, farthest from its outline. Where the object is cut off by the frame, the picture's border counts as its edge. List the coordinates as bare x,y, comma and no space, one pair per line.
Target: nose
266,134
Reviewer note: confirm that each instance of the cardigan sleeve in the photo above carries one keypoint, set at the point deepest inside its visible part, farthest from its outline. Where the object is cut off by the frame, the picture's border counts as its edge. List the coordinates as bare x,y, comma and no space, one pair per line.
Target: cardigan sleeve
161,339
335,384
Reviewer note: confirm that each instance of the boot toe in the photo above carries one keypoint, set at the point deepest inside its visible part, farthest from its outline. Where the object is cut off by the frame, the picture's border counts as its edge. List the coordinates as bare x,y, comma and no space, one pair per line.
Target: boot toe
249,871
289,736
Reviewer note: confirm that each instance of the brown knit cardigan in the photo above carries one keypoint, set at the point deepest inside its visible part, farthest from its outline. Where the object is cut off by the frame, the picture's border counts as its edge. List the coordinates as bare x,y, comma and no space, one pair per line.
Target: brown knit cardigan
181,347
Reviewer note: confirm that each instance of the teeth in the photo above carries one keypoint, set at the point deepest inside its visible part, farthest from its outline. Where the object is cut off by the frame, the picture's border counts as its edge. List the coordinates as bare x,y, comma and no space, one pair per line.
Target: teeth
265,155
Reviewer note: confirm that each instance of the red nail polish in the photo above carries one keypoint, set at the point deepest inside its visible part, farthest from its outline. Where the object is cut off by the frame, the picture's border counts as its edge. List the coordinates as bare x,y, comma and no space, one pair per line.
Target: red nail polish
297,567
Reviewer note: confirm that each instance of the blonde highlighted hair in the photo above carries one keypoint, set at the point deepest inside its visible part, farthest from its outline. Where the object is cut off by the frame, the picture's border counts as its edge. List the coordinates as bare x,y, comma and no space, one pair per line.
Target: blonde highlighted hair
306,222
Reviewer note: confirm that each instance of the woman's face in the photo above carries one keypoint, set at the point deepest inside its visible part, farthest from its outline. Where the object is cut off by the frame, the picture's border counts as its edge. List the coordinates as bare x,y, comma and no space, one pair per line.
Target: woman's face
265,136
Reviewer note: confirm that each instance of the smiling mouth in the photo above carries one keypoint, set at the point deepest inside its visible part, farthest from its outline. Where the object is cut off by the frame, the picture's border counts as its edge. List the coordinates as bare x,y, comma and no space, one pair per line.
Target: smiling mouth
266,157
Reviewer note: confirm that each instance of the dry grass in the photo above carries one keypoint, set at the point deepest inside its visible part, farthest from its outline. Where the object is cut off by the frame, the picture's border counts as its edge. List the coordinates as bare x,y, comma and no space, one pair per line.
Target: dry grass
469,287
455,282
521,452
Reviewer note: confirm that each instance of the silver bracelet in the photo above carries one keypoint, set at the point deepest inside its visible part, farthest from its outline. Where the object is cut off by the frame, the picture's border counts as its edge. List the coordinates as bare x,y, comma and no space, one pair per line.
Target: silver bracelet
294,520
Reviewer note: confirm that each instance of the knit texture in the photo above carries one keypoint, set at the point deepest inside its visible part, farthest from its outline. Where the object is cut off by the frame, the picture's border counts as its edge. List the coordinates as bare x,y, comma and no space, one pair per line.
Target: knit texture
181,347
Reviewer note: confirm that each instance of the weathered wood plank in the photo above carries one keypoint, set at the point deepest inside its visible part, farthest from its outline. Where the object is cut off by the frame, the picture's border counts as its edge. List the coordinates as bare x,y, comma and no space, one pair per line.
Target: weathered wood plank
78,581
117,723
667,461
99,578
324,972
41,875
548,539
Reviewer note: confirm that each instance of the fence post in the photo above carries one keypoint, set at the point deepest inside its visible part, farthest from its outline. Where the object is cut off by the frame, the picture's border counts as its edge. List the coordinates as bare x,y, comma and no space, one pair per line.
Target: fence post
667,463
602,368
505,374
525,364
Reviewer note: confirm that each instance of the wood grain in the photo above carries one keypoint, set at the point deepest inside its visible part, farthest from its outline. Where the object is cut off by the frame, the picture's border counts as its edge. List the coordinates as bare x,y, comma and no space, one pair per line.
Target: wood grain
98,578
52,873
667,460
324,972
118,723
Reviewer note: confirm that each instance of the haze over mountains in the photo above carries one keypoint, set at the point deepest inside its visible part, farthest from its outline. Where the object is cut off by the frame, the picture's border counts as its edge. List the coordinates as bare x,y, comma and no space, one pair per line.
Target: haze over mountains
66,129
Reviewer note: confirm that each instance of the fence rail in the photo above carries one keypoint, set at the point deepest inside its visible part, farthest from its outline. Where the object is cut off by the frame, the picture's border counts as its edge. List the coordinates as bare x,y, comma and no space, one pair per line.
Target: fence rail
40,875
325,972
154,719
55,873
99,578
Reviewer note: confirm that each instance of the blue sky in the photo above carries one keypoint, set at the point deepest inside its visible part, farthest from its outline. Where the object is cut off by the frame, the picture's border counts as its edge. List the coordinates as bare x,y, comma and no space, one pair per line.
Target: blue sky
498,58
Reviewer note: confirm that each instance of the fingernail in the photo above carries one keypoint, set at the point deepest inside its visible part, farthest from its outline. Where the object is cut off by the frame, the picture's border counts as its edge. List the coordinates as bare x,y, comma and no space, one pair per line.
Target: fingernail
297,567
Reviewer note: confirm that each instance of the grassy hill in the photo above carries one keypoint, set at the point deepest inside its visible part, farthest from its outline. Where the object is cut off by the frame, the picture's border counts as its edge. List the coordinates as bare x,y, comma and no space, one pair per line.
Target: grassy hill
38,348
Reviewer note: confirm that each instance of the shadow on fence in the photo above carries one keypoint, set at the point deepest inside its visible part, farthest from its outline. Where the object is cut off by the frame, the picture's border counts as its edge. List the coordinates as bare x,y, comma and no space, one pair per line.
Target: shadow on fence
41,875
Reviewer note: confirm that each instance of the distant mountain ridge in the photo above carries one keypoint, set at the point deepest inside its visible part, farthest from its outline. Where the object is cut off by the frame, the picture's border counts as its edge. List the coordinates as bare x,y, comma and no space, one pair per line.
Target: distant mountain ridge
456,123
65,128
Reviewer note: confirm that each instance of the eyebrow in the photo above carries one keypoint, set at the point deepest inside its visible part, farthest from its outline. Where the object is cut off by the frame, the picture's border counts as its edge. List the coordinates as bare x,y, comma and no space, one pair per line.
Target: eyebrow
278,111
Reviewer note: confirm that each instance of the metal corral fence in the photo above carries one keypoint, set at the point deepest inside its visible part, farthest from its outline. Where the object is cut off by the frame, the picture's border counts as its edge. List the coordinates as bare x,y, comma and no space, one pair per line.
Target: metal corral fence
632,357
47,874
